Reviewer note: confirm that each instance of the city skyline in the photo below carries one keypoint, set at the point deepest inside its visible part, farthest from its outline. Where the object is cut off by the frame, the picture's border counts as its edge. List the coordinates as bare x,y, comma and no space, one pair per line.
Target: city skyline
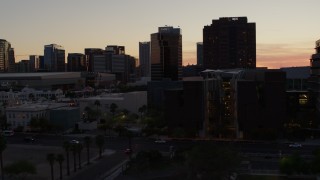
286,30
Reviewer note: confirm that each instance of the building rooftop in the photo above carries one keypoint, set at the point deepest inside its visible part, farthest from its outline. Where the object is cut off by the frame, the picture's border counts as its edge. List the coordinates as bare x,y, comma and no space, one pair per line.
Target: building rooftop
297,72
39,75
37,106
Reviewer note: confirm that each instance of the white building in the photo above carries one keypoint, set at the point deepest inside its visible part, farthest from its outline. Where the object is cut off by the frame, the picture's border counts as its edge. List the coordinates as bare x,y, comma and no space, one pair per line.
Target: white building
21,115
131,101
11,98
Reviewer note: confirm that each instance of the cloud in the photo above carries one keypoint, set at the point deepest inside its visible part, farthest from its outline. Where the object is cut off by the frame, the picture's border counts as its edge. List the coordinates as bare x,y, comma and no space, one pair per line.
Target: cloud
283,55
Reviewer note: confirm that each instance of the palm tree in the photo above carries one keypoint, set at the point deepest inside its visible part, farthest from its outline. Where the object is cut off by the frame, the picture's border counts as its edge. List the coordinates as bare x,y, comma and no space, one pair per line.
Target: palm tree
3,146
60,159
87,142
113,108
74,152
97,103
66,146
79,148
100,143
142,110
88,111
51,158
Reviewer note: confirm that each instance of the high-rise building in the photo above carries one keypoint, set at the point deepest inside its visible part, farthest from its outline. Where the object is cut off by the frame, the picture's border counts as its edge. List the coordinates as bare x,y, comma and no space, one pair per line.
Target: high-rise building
90,53
229,42
34,63
200,54
12,60
315,77
166,54
114,49
144,58
5,47
54,58
76,62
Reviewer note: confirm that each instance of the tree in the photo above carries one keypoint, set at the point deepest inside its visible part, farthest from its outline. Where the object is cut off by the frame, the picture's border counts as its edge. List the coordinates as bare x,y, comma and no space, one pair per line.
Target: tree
88,110
20,167
74,152
97,112
97,104
87,142
142,110
3,146
79,148
51,158
100,144
60,159
293,164
113,108
66,146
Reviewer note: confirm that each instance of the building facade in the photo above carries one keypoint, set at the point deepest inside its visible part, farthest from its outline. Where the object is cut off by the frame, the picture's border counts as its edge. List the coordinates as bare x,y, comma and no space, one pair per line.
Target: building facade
34,61
76,62
228,43
90,53
166,54
200,54
144,58
5,47
315,77
54,58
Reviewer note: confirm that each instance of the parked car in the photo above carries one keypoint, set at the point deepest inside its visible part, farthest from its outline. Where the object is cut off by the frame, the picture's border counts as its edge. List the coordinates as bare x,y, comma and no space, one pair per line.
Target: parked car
74,141
128,151
160,141
29,139
295,145
8,133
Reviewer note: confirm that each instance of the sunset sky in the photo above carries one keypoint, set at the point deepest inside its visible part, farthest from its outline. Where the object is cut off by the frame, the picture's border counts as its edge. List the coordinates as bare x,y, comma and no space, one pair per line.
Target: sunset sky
286,30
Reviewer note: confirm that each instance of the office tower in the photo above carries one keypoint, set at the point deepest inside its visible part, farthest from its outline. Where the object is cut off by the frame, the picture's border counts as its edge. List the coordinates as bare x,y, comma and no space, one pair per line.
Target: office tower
76,62
41,62
34,61
54,58
200,54
23,66
12,60
89,53
144,58
315,77
5,52
229,42
166,54
114,49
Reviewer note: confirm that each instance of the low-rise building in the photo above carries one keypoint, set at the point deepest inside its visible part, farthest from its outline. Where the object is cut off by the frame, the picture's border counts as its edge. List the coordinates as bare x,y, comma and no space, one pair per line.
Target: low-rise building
21,115
131,101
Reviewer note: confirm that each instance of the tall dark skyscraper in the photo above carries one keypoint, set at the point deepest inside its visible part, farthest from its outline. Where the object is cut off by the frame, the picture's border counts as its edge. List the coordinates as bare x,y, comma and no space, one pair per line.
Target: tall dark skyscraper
166,54
90,53
315,76
229,42
54,58
144,58
76,62
5,52
200,54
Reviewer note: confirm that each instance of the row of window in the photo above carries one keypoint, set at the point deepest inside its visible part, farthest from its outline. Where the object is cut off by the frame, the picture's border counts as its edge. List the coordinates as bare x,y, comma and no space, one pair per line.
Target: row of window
24,115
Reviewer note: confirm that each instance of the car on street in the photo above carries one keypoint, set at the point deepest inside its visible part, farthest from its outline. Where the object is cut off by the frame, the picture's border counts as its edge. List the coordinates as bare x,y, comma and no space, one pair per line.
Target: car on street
29,139
128,151
295,145
160,141
73,141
